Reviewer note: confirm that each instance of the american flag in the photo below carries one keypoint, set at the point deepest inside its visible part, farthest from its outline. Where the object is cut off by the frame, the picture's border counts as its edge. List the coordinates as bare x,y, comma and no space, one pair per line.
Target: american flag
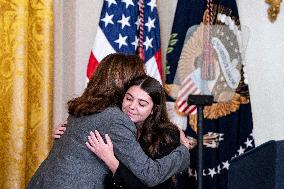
123,25
187,87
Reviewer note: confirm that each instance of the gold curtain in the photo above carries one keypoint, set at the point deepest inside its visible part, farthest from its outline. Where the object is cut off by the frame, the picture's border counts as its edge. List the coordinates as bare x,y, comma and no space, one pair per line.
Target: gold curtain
26,82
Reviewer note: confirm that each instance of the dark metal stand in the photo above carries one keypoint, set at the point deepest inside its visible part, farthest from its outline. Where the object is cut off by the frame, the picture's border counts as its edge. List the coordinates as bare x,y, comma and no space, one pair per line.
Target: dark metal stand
200,101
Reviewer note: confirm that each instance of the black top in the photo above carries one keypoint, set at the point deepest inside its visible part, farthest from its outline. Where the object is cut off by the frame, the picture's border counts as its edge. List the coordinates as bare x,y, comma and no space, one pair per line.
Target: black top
125,179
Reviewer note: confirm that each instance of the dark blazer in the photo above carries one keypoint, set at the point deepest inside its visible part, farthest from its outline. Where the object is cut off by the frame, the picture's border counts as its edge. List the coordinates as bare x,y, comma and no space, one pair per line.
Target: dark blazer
70,164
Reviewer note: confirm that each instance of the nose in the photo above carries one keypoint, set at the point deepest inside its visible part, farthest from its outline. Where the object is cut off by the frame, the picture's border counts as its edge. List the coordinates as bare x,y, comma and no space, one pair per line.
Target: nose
132,105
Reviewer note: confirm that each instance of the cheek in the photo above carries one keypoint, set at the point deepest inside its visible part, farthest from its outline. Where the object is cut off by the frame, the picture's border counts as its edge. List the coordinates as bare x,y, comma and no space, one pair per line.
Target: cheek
145,112
124,105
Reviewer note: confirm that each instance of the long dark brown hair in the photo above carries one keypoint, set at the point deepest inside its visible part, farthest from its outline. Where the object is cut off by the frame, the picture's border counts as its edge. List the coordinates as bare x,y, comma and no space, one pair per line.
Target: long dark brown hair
106,87
157,127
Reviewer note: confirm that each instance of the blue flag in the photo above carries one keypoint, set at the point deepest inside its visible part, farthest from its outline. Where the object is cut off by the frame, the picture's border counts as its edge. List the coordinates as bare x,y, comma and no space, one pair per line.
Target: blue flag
227,126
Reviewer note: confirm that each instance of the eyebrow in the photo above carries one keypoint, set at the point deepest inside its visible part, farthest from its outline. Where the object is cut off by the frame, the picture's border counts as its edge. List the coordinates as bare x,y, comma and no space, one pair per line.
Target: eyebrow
138,98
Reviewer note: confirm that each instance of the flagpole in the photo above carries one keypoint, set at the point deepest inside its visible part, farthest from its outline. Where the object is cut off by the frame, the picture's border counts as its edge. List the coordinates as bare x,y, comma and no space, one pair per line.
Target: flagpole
207,73
200,147
141,30
200,101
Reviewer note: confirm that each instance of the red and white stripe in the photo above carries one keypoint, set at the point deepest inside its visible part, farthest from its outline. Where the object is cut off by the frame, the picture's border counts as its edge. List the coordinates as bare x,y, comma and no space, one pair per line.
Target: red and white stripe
188,87
100,49
153,65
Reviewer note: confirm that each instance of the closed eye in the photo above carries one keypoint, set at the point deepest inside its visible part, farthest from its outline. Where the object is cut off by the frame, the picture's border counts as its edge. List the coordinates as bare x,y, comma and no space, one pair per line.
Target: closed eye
128,96
142,105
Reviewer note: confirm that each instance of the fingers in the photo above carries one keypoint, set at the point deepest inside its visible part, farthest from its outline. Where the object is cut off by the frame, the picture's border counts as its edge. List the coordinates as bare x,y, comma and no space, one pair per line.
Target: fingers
92,139
188,141
191,145
62,128
182,135
62,124
56,136
95,139
58,131
100,139
89,146
108,140
191,141
97,145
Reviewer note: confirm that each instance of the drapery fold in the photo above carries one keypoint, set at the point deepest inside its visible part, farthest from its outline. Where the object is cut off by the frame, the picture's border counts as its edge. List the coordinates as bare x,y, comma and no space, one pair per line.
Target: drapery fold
26,84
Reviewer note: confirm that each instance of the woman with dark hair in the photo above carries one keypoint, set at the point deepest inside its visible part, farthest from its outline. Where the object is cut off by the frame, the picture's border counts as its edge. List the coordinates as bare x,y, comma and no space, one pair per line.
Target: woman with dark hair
71,165
145,104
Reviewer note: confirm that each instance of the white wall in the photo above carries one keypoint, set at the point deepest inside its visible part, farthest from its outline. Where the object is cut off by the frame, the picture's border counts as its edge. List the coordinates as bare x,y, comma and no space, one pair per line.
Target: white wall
265,60
75,27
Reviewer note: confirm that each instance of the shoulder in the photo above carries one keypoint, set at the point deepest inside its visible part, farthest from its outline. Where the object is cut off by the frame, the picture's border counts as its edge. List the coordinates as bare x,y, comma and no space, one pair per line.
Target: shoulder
114,113
109,116
120,120
113,109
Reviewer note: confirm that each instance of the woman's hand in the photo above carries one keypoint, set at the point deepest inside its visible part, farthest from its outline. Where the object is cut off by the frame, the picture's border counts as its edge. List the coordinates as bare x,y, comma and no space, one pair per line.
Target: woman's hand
103,150
189,142
59,130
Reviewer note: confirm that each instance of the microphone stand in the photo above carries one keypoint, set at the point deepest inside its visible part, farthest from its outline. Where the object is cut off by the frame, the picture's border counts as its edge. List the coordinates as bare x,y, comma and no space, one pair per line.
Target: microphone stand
200,101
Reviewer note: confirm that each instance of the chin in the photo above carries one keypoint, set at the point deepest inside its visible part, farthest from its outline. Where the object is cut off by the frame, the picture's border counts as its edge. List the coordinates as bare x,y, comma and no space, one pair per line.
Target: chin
133,120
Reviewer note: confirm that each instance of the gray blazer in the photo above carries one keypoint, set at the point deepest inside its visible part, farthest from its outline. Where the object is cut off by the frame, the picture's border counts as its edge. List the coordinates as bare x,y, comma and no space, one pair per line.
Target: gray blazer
70,164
